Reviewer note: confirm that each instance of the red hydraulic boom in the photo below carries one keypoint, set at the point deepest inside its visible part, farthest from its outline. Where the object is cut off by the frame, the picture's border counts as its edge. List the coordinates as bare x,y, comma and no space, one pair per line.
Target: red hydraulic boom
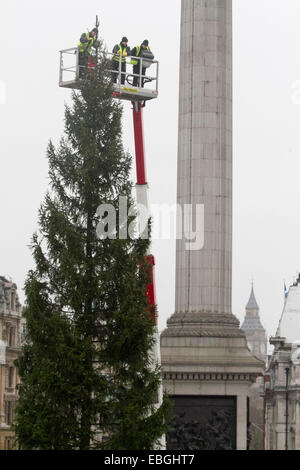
142,187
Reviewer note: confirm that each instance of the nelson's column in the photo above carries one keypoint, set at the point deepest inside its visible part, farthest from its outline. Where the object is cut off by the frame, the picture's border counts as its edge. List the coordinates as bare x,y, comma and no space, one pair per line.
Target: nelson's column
207,367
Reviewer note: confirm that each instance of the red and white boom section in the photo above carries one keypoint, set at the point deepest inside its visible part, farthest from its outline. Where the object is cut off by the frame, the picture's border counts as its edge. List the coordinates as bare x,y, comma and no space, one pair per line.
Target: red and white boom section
142,201
142,187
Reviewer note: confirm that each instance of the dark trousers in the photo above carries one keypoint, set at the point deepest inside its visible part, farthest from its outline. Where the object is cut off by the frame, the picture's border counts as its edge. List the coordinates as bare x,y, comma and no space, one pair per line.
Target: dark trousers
115,66
83,63
136,80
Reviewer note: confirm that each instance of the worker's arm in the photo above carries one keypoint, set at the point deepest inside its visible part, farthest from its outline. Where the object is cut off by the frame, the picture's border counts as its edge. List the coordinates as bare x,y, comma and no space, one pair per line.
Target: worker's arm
116,49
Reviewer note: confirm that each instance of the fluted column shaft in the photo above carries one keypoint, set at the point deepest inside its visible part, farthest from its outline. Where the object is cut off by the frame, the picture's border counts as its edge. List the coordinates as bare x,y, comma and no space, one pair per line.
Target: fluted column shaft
203,277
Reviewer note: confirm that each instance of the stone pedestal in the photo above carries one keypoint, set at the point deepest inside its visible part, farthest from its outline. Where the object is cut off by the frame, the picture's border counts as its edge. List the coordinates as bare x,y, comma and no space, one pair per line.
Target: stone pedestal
204,353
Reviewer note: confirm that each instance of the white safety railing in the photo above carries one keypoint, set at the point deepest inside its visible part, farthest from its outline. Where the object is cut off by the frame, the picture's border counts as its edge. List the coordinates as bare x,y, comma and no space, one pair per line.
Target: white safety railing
73,68
68,66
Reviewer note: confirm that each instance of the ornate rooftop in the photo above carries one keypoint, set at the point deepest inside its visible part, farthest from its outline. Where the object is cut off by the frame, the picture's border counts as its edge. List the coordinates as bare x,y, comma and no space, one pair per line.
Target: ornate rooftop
252,304
252,321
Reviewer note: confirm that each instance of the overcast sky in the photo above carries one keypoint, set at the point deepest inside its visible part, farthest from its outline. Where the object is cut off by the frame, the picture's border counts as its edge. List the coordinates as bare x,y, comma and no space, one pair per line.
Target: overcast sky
266,153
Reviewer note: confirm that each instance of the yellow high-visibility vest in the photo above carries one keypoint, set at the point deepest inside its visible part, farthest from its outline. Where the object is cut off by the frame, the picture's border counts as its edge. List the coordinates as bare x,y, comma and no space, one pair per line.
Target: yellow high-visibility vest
138,48
86,46
117,56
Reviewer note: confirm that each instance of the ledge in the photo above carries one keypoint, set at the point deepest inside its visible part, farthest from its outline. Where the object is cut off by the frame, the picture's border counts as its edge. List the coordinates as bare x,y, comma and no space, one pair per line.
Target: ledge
198,376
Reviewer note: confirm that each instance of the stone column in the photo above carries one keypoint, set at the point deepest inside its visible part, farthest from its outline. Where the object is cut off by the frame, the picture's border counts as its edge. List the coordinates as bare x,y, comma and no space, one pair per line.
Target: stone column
203,350
242,422
203,277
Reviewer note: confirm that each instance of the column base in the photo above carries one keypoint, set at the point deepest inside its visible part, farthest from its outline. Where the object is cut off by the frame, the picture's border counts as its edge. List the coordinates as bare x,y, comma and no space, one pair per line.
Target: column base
205,355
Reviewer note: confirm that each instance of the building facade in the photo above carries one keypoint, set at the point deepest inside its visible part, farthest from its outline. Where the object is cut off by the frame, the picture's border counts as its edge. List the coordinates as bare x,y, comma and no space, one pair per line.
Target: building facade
11,325
282,380
257,343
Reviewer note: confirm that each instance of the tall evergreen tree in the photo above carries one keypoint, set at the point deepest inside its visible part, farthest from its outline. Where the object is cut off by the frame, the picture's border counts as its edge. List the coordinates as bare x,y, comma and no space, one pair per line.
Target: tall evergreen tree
86,370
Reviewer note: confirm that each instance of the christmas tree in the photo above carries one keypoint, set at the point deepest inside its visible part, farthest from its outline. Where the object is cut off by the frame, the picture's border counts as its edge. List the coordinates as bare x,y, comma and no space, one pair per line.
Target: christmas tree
87,375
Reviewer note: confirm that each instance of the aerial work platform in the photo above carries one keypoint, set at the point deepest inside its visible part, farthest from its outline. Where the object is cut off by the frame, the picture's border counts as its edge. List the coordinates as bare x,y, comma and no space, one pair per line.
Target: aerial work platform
69,76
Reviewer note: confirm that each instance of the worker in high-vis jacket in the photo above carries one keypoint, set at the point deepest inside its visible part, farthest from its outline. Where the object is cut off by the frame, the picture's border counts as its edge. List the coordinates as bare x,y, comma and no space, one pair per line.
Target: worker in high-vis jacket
87,41
120,51
140,51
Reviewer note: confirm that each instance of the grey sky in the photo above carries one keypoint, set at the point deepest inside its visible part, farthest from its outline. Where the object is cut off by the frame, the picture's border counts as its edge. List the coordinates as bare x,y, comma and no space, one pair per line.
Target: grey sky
266,37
